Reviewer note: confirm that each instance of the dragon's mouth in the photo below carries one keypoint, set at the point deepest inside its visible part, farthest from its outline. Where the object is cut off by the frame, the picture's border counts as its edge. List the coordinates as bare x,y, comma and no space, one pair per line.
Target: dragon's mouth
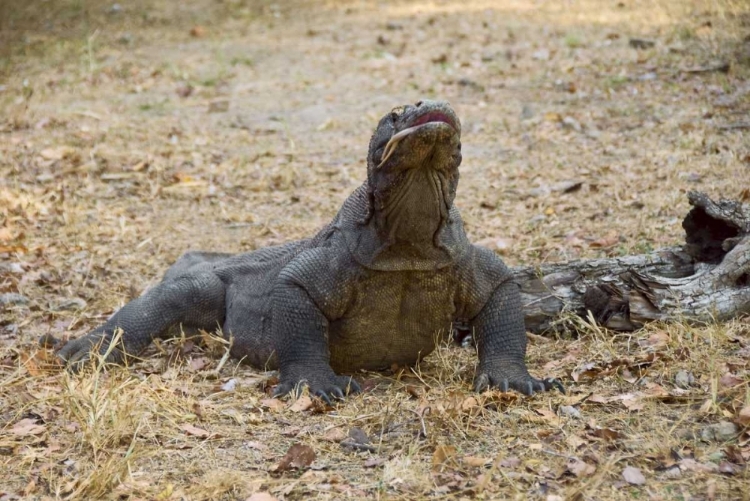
432,117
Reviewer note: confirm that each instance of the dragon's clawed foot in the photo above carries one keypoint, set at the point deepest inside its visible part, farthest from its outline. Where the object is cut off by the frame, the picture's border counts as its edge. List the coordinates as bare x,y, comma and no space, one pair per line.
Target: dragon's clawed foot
77,352
519,381
328,387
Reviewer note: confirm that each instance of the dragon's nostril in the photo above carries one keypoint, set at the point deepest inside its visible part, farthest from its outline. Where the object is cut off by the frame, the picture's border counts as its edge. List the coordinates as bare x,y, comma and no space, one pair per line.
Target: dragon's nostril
418,104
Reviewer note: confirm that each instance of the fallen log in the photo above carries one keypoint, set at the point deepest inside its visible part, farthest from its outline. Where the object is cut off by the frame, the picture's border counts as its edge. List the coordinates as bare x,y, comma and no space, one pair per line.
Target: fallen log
705,280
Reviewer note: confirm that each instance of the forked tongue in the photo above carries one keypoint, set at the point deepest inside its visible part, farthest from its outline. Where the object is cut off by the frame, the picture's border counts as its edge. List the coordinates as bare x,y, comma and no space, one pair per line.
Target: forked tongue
390,147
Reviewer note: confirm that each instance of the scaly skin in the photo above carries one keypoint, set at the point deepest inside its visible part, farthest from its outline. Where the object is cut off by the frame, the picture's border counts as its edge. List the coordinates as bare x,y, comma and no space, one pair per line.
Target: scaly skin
371,289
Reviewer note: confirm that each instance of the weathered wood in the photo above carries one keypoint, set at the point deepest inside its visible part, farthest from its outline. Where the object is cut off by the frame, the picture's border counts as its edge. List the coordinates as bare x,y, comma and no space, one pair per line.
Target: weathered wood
705,280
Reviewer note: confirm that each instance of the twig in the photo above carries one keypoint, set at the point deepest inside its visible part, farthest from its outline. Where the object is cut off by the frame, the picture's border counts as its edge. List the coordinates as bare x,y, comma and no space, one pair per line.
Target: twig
426,410
359,446
721,66
553,453
734,126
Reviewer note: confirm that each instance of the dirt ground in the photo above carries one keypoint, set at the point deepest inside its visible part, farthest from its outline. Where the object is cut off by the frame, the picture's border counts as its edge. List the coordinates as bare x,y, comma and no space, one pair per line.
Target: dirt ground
132,132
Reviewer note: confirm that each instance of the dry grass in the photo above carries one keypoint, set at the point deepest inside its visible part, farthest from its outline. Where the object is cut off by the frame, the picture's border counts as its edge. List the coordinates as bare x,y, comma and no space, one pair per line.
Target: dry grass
116,157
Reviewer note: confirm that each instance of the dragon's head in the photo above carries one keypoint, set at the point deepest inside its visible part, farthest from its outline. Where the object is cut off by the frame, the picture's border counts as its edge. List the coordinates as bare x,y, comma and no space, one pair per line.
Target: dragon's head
412,165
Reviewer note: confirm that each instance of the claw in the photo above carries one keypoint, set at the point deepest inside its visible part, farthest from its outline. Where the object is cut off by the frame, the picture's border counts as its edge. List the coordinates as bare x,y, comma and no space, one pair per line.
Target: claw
353,387
323,396
337,393
481,383
281,390
550,383
505,386
529,388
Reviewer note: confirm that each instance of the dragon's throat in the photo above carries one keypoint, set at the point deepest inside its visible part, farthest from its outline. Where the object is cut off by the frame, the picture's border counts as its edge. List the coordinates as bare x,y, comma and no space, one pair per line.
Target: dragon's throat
415,214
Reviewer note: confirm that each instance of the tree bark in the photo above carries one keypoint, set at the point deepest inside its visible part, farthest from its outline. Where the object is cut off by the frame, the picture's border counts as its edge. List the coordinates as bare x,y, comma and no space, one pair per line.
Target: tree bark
705,280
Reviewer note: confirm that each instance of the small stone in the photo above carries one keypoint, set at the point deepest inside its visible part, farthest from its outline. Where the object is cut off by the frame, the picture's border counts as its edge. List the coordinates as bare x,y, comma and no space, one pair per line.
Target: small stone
673,472
48,341
633,476
12,299
537,219
640,43
218,106
719,432
14,268
728,468
467,82
359,436
541,55
125,39
72,304
693,177
684,379
572,123
569,410
686,434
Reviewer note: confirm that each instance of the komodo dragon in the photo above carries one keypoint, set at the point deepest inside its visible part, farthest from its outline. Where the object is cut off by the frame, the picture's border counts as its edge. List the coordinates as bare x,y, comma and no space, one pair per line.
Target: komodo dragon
370,290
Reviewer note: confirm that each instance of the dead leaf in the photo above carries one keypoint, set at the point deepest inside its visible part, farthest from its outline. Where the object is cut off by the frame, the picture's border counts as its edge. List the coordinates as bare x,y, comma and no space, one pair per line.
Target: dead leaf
689,464
443,454
195,431
728,468
606,433
656,340
598,399
632,401
273,404
549,416
57,153
580,468
373,462
476,461
510,462
258,446
27,427
606,242
633,476
303,403
38,361
414,391
575,441
588,371
197,364
197,31
469,403
743,417
334,435
13,249
297,457
261,496
138,167
230,385
729,380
